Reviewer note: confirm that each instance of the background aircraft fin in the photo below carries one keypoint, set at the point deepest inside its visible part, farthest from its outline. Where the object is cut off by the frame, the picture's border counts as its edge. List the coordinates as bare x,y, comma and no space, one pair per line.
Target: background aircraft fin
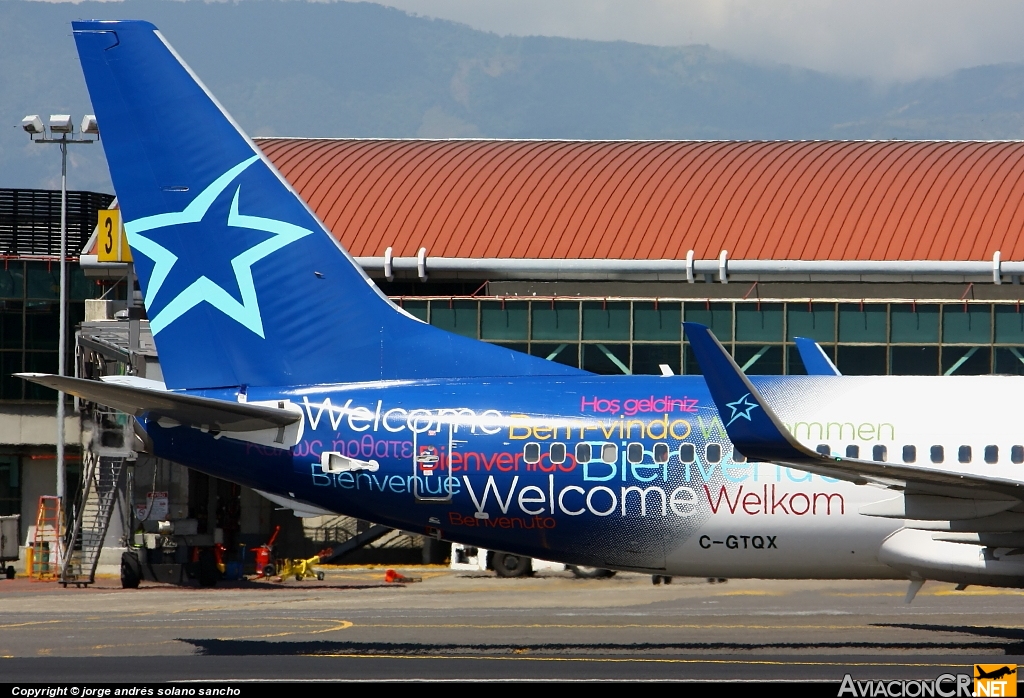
816,361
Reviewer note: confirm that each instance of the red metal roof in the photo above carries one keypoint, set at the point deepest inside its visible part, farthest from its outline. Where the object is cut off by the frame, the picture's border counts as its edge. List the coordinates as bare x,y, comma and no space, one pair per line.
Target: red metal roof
812,200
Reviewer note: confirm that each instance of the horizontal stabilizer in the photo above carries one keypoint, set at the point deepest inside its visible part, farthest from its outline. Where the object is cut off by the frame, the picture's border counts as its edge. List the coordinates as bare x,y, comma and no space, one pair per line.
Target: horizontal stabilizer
135,382
202,412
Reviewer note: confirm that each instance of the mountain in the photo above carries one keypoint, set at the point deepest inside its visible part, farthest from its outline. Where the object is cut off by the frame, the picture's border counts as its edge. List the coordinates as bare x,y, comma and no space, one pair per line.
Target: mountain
363,70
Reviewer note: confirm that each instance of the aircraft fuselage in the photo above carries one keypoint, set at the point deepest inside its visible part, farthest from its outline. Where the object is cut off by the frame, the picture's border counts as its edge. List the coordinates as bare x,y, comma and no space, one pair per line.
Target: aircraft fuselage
629,473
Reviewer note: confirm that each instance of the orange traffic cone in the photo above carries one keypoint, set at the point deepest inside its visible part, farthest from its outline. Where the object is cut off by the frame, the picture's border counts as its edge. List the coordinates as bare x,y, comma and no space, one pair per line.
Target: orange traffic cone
392,577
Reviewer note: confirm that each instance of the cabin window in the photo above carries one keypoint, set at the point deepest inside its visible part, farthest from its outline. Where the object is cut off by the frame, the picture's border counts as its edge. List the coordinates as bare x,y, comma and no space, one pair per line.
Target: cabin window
635,453
878,453
1017,455
686,453
938,454
991,454
824,450
909,454
531,453
661,453
582,453
853,451
556,454
963,454
713,453
738,457
610,453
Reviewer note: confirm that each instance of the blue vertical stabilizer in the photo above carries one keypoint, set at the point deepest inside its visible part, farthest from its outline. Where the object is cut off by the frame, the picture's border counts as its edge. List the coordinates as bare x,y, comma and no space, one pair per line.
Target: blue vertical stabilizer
816,361
242,284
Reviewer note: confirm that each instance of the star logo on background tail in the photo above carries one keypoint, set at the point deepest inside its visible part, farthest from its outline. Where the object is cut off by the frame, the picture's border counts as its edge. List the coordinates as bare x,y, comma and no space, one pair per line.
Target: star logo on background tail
741,408
203,290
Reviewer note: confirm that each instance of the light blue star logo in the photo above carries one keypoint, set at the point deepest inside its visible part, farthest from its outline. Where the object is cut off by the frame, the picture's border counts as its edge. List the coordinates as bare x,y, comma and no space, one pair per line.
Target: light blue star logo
741,408
203,290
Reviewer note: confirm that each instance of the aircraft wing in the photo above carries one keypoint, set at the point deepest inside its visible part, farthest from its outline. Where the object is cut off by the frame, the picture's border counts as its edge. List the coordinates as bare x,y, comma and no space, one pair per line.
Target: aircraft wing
815,359
200,412
759,434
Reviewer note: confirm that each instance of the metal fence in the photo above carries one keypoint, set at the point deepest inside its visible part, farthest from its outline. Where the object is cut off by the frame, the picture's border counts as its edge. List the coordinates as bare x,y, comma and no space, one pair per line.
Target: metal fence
30,221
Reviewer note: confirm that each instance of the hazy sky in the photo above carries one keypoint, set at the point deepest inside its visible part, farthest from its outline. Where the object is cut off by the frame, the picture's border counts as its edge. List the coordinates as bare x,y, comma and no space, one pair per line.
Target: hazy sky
884,39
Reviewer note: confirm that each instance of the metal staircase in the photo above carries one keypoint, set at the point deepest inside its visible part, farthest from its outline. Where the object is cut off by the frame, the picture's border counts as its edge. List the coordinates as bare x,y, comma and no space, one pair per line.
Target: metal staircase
90,517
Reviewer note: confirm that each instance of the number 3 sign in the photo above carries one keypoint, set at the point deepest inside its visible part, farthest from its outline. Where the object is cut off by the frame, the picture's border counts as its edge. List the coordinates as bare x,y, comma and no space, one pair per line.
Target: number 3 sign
111,244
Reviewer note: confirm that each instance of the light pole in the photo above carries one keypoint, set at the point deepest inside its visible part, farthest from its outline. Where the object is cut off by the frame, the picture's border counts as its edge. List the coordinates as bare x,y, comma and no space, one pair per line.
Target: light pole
61,132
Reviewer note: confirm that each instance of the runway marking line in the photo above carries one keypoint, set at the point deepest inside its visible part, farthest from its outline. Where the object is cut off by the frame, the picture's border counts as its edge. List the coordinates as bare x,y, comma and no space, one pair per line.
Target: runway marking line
583,626
249,626
341,625
613,660
977,592
31,622
937,592
133,644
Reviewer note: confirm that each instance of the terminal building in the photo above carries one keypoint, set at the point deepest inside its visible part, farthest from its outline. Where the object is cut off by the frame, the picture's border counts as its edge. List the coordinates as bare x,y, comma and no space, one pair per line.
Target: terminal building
898,257
29,310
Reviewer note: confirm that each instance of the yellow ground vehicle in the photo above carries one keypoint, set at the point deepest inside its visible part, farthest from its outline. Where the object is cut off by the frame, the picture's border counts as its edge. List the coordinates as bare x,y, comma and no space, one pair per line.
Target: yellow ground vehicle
301,569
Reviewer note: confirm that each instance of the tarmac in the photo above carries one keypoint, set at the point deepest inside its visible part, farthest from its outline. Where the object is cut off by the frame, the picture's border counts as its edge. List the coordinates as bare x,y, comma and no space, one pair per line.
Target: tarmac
473,626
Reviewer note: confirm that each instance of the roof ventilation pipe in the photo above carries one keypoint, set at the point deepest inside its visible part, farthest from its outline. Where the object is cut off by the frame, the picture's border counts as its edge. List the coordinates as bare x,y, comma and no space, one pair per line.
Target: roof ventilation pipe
997,271
689,267
389,270
723,271
421,264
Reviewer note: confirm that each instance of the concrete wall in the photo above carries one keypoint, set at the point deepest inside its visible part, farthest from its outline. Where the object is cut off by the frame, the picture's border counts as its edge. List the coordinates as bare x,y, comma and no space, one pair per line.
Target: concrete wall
38,478
36,425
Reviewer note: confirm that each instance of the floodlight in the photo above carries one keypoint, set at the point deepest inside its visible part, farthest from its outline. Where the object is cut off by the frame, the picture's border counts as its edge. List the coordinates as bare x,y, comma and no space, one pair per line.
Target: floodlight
89,125
32,124
61,123
62,133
